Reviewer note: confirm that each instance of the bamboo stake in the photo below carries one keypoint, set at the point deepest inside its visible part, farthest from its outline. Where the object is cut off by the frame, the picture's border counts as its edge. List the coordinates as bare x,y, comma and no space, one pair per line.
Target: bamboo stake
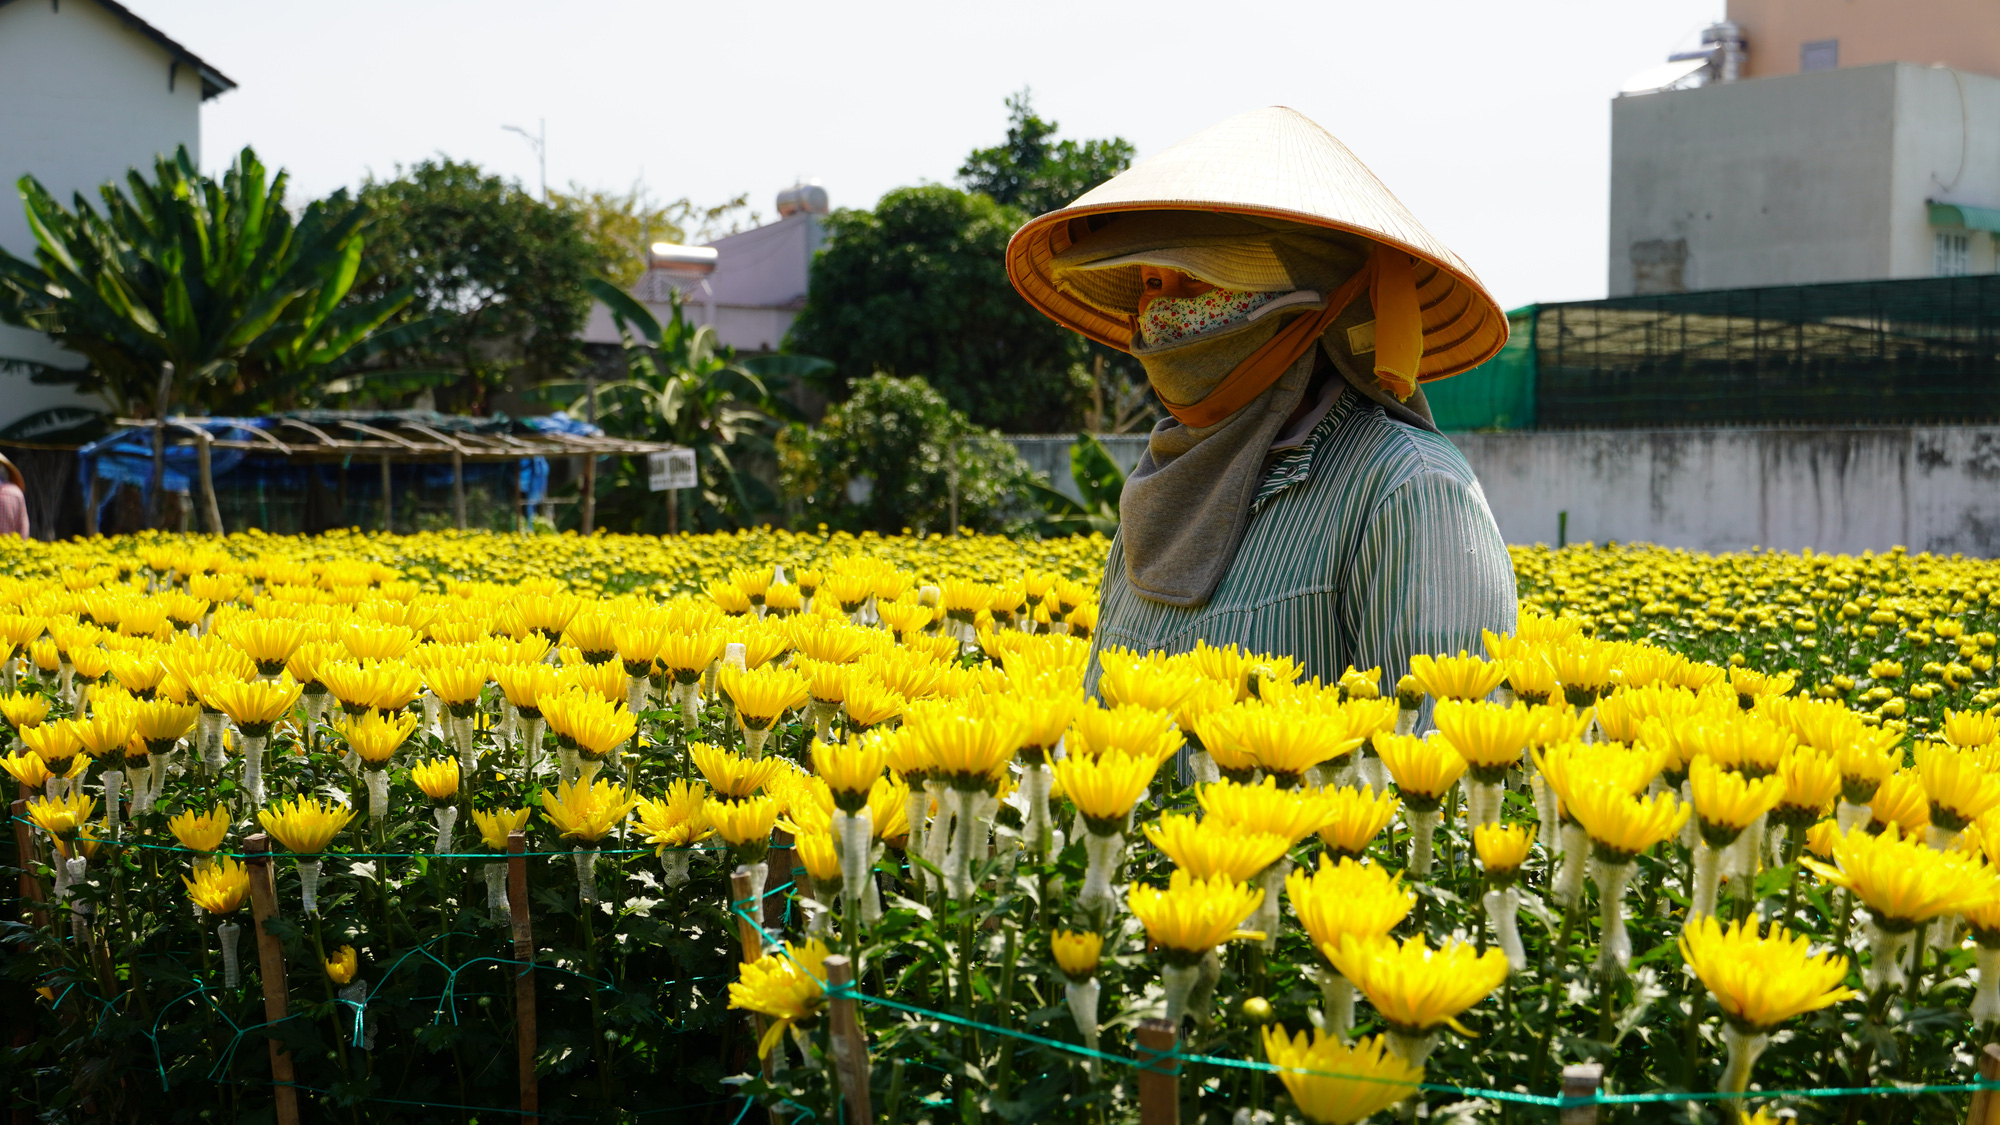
271,972
524,975
1984,1108
850,1047
1581,1080
24,844
1159,1077
202,452
752,941
458,488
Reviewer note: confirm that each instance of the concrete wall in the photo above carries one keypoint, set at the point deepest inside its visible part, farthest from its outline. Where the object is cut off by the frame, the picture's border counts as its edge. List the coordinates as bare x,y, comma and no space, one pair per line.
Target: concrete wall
1960,33
83,98
1929,488
1798,179
1049,454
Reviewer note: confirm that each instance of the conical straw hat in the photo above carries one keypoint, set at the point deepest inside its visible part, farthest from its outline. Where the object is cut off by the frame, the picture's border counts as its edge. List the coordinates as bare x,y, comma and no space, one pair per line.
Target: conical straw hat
1273,163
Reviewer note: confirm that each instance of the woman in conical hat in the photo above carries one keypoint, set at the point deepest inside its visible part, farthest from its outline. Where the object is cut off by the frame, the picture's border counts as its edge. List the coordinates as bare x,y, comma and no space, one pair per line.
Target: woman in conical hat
1286,308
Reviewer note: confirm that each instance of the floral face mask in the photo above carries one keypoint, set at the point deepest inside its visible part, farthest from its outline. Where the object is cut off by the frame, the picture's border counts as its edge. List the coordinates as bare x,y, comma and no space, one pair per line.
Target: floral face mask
1172,320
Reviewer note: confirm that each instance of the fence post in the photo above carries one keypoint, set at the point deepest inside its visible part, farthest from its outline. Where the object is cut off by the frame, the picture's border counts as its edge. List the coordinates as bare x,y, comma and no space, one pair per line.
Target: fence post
1581,1080
204,456
1984,1109
850,1048
1159,1077
524,975
779,862
271,973
388,499
24,842
458,489
752,942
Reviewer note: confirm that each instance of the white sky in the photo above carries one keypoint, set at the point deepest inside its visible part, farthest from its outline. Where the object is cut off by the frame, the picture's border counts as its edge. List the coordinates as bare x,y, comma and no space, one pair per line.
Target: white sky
1490,120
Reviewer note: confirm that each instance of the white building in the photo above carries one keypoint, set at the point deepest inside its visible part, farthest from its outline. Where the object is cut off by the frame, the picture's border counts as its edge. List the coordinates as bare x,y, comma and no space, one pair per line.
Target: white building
88,91
1797,148
750,285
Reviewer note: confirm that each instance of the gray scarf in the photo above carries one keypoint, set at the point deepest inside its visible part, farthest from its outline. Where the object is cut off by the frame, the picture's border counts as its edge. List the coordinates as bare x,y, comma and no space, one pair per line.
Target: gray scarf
1187,503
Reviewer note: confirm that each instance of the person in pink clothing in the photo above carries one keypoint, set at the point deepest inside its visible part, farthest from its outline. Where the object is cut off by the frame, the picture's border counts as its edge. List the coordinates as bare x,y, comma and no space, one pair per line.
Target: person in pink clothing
13,500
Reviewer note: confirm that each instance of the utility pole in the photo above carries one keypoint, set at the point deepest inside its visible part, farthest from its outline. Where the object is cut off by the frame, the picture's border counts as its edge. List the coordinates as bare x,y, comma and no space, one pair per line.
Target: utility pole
539,141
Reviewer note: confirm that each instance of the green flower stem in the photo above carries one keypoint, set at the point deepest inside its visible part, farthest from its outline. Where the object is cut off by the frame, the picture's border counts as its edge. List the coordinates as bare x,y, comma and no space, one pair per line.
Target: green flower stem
1003,1016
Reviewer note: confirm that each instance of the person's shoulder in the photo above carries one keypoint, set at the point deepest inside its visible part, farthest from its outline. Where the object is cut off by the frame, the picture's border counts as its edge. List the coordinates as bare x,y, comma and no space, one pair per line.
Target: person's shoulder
1396,452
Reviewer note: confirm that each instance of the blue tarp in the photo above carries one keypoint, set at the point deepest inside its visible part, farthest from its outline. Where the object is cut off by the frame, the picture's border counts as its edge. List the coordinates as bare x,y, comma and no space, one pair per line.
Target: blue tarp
126,457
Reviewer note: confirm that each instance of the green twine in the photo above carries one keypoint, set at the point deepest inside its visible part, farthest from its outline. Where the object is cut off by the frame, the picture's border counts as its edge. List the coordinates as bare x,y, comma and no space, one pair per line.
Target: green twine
1152,1059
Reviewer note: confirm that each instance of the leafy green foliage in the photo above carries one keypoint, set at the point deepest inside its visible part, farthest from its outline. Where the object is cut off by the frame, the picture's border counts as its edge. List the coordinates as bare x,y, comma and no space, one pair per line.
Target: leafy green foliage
1098,480
681,386
502,273
882,461
1035,172
621,226
249,304
918,286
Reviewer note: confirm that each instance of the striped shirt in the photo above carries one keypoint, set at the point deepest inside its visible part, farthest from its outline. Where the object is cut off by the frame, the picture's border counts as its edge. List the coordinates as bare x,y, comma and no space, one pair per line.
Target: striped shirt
1369,543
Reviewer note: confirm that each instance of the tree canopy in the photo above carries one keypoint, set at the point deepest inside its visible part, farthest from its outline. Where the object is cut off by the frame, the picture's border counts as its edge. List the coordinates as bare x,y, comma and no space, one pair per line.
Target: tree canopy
918,286
1034,171
503,272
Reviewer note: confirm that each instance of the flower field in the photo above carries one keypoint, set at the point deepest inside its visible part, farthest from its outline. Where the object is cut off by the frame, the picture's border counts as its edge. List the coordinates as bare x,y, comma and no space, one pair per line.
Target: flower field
446,826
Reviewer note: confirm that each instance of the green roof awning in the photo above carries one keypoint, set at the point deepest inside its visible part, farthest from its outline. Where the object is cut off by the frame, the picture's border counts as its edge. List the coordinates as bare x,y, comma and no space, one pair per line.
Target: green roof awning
1959,215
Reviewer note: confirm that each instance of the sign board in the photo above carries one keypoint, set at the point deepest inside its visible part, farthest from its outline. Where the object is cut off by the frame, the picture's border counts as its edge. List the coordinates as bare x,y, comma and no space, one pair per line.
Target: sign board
672,469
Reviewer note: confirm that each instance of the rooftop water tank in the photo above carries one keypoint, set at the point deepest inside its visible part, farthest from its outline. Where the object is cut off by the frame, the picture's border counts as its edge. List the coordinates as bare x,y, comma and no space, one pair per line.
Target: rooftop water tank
809,197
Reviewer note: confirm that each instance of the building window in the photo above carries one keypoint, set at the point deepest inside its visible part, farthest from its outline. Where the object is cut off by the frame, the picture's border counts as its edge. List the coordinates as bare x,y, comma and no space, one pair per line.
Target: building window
1823,54
1951,254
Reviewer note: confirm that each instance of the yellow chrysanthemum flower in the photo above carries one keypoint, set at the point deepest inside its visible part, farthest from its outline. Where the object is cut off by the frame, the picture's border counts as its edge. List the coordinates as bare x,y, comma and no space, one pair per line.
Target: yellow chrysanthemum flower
376,736
1971,729
269,641
162,723
762,695
785,987
437,778
254,705
1488,736
744,824
26,767
1263,807
587,812
1105,787
1335,1083
62,817
1457,677
497,824
850,770
1354,817
1205,849
1424,769
595,724
201,832
1900,803
1959,784
1346,898
1076,954
23,711
1867,759
970,748
1128,729
678,819
1417,989
1284,741
1903,881
383,685
341,967
731,775
1621,825
1762,981
1192,916
1812,785
1726,802
219,886
1502,848
303,825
